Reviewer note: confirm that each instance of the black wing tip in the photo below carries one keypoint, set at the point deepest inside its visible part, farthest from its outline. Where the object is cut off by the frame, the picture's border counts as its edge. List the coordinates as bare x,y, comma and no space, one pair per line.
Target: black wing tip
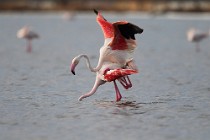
95,11
141,30
129,30
137,29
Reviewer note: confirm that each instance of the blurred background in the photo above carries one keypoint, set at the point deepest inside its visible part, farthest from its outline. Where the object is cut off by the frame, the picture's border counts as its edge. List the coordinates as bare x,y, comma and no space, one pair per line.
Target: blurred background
120,5
170,97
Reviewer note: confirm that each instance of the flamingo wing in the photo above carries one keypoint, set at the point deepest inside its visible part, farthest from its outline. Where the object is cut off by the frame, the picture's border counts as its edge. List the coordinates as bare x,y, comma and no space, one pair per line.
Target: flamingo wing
32,35
199,37
128,30
112,75
124,35
106,26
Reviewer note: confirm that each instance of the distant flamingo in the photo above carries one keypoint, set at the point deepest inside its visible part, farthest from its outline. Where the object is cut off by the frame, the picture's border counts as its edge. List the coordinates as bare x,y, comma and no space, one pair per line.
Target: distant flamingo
196,36
29,35
68,16
116,55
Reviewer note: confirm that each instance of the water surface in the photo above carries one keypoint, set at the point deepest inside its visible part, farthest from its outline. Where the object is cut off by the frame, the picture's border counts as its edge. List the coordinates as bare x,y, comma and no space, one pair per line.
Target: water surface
170,98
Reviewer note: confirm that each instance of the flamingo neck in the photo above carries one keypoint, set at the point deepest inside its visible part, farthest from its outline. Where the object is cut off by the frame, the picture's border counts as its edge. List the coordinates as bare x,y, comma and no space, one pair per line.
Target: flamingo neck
87,62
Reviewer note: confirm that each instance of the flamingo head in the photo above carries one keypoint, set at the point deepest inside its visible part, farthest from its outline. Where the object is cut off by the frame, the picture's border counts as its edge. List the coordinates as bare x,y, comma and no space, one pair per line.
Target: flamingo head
74,63
191,34
23,32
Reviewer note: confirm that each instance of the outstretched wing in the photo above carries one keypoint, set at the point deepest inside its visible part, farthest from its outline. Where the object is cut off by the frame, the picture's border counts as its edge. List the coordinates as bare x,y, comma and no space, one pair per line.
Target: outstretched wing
106,26
124,35
112,75
129,30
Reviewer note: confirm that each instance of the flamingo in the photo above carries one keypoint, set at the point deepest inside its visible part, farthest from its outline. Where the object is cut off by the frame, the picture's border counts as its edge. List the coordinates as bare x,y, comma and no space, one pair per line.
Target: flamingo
109,72
196,36
119,42
29,35
116,55
68,16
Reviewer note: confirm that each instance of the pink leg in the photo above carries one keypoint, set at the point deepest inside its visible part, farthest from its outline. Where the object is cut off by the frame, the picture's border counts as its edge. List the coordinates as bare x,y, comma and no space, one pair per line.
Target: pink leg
197,47
29,47
125,82
118,95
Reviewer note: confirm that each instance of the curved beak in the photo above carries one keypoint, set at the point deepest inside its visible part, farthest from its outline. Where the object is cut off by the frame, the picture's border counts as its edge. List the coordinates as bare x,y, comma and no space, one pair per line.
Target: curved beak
72,68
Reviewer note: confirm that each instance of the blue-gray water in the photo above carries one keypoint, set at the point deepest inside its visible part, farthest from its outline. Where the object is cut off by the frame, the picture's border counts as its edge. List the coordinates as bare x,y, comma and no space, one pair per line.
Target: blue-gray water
170,97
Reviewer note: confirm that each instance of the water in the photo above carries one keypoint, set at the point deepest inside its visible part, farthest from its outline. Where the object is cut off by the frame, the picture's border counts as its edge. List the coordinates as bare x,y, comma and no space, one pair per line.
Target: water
170,98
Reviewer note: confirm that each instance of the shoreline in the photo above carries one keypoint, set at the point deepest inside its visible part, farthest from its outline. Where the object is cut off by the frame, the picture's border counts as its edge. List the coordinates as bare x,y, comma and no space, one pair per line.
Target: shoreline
151,6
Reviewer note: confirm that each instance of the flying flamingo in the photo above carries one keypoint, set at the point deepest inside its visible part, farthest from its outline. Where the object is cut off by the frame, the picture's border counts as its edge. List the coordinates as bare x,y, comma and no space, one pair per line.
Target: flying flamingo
196,36
116,55
29,35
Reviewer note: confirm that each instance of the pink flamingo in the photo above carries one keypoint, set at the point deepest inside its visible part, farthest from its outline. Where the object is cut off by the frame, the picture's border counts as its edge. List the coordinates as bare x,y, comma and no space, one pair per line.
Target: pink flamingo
68,16
116,55
196,36
109,72
29,35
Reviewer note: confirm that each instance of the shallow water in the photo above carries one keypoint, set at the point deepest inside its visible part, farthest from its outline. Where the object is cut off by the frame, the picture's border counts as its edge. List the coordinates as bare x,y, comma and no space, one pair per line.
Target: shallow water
170,97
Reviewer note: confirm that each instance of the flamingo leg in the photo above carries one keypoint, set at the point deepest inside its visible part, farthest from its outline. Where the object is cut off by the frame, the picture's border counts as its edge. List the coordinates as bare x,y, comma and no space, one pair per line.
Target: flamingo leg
118,95
197,47
98,82
29,47
125,82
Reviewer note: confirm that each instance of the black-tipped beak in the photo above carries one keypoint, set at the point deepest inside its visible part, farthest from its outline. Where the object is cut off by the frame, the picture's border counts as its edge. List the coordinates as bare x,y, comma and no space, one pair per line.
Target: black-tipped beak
72,68
95,11
73,72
